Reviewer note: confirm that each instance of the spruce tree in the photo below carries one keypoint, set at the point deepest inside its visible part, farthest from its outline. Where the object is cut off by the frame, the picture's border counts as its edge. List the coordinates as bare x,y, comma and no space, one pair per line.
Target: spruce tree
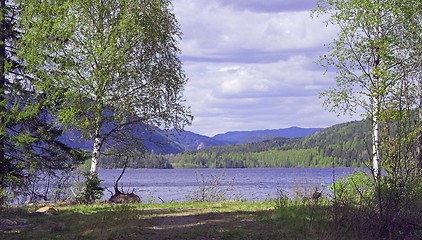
30,142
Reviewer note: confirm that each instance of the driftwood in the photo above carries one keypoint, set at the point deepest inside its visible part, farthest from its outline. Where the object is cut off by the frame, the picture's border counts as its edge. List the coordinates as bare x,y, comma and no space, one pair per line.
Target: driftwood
120,196
125,198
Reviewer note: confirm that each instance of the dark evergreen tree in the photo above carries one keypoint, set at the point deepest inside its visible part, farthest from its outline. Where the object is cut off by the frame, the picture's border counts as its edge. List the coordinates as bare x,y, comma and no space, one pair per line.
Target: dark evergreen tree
32,157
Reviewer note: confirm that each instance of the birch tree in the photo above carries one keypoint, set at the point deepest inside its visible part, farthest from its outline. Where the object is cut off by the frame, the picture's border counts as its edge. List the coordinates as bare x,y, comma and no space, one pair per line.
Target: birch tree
363,56
377,56
410,13
115,61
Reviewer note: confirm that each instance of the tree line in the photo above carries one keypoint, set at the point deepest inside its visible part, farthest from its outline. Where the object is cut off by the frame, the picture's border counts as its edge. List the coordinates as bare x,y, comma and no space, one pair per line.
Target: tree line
344,145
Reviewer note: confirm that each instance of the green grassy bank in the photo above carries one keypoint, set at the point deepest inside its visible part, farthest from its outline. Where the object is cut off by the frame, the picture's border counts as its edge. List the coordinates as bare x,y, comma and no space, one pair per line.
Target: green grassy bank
178,220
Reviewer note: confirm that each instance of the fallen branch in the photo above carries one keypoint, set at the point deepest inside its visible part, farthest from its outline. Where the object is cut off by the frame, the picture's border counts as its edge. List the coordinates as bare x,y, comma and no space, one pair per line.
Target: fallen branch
120,196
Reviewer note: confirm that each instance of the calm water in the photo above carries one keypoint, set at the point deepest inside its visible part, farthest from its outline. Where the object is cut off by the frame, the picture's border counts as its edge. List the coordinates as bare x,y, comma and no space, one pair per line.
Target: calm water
242,183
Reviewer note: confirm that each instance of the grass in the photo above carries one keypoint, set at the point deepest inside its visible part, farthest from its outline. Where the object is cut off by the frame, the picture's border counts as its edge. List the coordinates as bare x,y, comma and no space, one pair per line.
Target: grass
177,220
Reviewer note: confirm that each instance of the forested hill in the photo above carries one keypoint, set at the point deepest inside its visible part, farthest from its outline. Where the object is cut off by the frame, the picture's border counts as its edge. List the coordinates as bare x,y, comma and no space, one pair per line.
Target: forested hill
349,143
345,143
239,137
171,142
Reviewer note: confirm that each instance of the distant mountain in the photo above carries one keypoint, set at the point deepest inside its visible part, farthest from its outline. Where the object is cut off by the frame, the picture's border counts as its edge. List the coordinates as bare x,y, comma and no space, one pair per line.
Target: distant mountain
193,141
162,142
240,137
158,141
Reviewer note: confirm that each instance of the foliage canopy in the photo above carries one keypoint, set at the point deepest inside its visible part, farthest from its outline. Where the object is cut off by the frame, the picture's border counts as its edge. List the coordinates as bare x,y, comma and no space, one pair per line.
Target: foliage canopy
115,62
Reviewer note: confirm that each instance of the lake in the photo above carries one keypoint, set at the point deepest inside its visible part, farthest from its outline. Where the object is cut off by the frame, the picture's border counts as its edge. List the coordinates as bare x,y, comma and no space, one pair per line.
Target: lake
252,184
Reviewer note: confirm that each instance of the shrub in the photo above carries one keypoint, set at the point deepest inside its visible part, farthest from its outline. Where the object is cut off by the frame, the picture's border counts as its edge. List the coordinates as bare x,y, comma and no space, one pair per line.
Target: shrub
211,189
355,190
92,190
377,208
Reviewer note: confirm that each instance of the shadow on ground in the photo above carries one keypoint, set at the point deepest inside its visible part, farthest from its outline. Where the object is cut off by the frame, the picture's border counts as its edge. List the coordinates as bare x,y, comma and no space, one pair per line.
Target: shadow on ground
129,223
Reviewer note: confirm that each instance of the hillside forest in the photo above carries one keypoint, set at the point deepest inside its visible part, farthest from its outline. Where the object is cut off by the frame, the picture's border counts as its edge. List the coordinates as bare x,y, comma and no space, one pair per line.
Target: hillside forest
344,145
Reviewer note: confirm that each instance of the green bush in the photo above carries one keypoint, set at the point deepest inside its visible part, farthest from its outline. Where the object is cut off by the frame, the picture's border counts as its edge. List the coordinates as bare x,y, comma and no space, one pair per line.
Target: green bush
355,190
382,208
92,190
282,200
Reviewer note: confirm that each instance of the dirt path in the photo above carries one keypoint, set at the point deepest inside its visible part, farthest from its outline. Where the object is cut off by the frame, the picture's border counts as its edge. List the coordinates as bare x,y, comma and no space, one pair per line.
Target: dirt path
193,225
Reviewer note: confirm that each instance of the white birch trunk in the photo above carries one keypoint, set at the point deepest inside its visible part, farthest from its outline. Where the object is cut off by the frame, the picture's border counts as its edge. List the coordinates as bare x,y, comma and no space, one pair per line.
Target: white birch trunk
375,145
96,151
376,99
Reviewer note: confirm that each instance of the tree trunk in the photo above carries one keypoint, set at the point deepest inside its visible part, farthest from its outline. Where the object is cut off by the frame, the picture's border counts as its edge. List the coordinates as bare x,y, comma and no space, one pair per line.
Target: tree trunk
376,99
419,143
375,143
96,151
376,156
3,26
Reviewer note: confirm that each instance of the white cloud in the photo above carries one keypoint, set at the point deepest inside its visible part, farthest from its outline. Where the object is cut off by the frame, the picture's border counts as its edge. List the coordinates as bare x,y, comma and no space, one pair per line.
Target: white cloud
251,67
269,5
214,32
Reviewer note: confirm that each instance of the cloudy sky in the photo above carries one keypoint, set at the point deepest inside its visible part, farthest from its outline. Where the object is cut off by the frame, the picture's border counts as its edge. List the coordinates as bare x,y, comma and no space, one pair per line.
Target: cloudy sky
251,64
